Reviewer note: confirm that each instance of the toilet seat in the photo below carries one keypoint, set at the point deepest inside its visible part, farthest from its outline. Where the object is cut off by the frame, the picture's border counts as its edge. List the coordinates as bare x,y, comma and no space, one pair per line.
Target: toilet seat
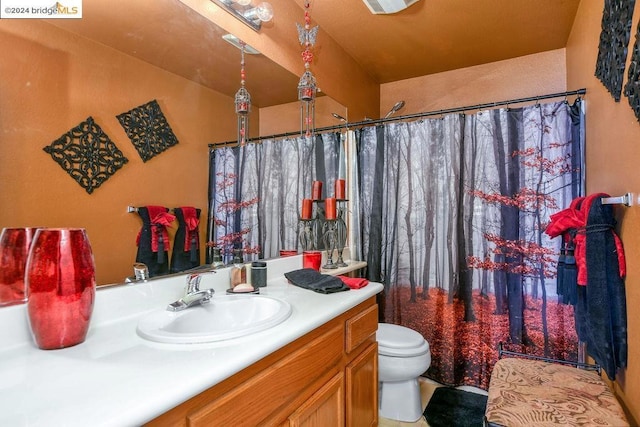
399,341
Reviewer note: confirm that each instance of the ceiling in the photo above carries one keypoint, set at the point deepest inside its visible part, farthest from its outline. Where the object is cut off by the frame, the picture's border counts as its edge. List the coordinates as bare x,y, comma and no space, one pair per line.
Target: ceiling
429,37
433,36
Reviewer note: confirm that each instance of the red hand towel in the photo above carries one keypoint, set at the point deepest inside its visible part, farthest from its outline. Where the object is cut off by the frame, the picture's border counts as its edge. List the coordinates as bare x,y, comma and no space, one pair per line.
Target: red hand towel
354,282
191,221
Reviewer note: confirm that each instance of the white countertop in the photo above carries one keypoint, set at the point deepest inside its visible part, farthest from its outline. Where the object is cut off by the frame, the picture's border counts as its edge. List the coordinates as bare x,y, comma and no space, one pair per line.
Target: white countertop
116,378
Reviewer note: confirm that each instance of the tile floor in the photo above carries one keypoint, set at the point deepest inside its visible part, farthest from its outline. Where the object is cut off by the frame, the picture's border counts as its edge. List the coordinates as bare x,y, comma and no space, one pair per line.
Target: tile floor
427,387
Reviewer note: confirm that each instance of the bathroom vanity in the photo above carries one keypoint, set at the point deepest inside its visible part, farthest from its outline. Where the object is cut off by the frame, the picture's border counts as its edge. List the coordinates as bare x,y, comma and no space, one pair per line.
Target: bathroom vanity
324,378
320,364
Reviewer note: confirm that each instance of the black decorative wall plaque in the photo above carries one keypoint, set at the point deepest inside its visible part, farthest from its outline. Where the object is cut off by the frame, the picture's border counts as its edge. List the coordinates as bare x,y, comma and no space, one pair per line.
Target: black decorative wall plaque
87,154
632,88
148,130
614,39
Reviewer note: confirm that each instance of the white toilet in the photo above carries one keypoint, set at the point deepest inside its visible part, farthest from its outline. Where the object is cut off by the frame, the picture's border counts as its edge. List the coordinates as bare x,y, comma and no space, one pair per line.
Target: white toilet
403,355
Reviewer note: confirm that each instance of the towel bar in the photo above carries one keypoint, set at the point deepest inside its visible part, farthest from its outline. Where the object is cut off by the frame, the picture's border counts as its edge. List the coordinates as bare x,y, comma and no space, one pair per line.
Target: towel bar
626,199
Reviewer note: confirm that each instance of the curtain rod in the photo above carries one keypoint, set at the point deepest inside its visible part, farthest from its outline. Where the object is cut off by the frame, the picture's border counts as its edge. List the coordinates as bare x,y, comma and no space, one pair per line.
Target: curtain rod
413,116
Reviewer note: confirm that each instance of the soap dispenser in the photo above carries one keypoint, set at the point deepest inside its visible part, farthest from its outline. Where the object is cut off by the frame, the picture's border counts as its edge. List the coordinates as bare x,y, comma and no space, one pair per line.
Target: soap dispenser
216,262
238,273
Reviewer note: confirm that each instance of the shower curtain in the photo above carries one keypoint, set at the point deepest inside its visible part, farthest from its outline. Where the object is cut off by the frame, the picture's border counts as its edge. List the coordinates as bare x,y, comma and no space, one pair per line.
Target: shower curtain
256,191
449,214
453,213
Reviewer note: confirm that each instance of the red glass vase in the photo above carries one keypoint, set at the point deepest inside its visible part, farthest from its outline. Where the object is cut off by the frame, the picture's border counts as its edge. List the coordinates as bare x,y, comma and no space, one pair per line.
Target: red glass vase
14,249
61,286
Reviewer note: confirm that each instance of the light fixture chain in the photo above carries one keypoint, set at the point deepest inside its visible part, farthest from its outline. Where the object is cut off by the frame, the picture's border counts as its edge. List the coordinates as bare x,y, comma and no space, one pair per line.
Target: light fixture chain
307,88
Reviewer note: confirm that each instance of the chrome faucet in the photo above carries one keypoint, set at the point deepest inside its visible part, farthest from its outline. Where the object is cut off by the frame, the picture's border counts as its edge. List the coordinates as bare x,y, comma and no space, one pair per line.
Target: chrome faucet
140,273
192,294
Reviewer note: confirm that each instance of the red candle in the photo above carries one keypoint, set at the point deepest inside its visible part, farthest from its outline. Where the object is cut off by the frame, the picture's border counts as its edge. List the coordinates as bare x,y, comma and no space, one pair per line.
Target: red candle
340,189
242,107
330,208
306,209
306,94
316,190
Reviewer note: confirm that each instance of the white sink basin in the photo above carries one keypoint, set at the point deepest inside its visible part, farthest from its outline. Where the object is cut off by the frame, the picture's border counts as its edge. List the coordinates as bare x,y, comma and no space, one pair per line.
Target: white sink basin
224,317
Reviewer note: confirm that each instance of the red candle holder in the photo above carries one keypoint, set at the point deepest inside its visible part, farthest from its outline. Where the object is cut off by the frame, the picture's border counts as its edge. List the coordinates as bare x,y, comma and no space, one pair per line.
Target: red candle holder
306,94
286,253
61,286
312,259
242,108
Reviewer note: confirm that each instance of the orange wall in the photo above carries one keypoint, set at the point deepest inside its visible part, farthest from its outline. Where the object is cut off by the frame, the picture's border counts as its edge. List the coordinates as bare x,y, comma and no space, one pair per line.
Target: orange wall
613,156
285,118
522,77
51,81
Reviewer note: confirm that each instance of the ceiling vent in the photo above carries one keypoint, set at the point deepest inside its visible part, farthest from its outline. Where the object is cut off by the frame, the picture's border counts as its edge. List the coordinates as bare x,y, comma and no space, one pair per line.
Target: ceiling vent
388,6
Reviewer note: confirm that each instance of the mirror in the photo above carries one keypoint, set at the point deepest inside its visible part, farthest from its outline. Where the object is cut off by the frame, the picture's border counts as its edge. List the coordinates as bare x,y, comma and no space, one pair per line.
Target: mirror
175,38
119,56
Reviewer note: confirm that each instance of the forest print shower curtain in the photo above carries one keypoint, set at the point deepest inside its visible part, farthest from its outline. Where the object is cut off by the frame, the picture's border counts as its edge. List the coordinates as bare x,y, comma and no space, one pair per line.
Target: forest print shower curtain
256,192
453,214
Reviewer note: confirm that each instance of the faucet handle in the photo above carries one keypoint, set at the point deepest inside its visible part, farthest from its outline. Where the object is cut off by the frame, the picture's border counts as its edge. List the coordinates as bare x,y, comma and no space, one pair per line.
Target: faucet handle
193,283
140,271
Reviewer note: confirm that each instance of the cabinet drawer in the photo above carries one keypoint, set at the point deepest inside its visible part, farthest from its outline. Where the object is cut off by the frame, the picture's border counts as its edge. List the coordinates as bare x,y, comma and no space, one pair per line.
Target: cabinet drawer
360,327
252,402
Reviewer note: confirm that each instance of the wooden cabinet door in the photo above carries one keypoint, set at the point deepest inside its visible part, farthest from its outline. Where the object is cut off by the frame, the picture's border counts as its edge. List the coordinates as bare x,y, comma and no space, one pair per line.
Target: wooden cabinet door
362,389
324,408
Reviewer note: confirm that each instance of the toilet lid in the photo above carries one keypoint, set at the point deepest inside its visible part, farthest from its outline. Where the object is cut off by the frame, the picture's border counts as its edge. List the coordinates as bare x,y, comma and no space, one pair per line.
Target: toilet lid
396,340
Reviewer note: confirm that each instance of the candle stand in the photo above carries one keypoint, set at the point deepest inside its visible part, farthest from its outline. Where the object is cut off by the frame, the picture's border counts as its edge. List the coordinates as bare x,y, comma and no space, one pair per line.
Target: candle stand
317,232
341,232
306,234
330,238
